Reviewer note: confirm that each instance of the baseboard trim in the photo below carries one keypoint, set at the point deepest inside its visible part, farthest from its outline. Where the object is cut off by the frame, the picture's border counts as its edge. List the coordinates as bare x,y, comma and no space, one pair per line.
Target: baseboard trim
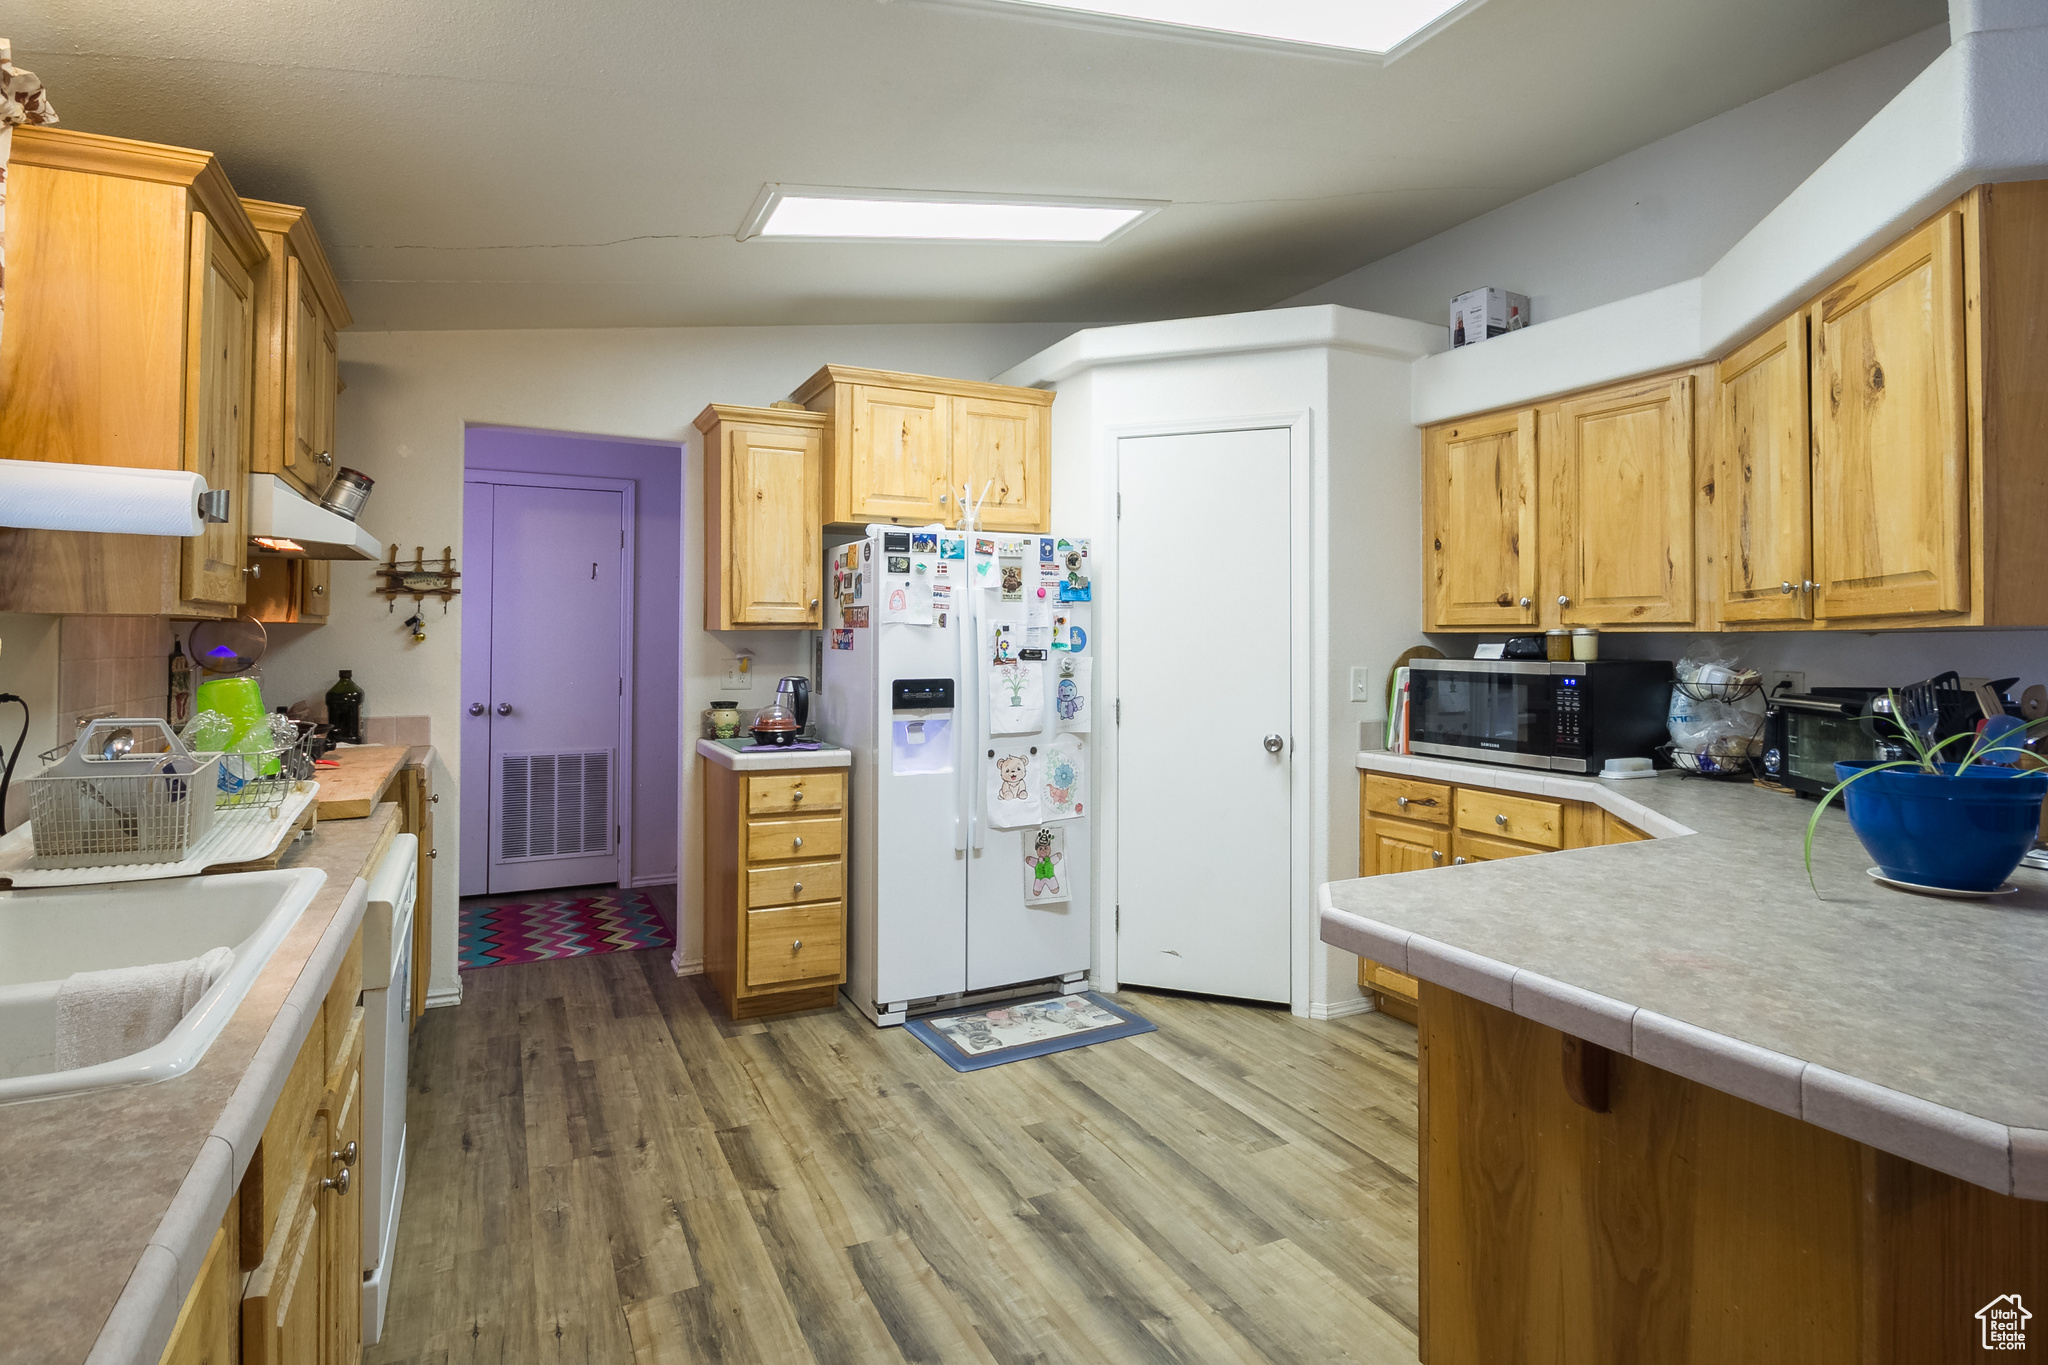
686,966
1362,1005
441,996
653,879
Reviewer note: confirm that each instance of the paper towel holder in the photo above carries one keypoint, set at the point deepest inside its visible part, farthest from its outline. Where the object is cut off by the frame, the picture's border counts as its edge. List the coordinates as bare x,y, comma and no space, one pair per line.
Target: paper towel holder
213,505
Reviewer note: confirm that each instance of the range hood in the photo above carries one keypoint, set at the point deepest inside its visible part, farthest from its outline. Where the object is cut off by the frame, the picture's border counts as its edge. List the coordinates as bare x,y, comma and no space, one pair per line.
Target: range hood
282,521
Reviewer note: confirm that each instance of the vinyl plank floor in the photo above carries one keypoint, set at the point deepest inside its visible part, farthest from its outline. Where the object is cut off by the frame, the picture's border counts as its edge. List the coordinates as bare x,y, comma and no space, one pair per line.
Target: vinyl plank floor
605,1169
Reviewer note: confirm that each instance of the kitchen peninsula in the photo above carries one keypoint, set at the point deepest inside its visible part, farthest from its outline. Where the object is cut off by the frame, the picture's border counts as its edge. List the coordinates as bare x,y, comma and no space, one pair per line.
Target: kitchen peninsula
1676,1106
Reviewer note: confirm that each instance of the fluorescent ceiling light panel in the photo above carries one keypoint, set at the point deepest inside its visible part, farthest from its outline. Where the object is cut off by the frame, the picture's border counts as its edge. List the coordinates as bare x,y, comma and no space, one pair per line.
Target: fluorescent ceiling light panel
1376,26
803,213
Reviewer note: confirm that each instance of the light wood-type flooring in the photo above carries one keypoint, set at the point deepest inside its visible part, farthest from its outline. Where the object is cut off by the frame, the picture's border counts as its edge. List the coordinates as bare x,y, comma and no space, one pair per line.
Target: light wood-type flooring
603,1169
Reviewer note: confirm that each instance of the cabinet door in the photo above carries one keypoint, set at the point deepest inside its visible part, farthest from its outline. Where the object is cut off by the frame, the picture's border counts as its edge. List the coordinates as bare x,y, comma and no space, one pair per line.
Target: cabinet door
1765,479
314,576
281,1303
1891,453
776,525
1398,846
341,1238
220,381
326,390
1477,848
1624,471
1479,508
302,448
205,1330
901,466
423,905
1000,446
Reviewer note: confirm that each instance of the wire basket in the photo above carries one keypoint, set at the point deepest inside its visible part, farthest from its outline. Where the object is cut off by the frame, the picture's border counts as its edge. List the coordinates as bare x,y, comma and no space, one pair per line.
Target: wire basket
1730,756
1734,690
152,804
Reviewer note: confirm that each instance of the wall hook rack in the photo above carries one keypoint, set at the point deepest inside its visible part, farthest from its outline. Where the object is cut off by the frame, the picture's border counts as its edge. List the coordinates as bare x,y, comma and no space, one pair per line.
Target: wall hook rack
421,579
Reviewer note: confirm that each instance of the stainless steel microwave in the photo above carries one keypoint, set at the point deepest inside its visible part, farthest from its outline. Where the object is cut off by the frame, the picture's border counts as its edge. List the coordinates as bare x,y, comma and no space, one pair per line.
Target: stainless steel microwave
1570,717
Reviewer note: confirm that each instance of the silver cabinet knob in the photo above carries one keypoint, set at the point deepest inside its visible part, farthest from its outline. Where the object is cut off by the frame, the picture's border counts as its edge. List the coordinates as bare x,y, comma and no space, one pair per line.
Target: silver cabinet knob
942,499
1458,861
254,571
1808,586
1501,820
477,708
433,853
1402,802
797,946
435,798
347,1155
1563,601
799,889
324,458
814,604
340,1183
1785,587
504,708
319,590
1274,744
798,842
1436,855
1527,602
796,796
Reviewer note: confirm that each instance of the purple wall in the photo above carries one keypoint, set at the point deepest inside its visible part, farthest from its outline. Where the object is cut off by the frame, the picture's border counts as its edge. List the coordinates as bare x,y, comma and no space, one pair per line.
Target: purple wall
658,581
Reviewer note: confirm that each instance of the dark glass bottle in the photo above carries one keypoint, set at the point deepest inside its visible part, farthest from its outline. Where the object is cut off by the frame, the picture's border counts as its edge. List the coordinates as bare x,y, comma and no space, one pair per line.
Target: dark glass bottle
345,710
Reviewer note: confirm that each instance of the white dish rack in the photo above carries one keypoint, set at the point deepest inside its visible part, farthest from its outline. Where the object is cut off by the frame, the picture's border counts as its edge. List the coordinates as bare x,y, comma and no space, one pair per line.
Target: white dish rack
155,809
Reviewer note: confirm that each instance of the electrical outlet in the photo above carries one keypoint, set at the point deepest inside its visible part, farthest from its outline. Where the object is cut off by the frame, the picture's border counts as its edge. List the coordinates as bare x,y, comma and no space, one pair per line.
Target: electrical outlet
1361,684
739,674
1783,680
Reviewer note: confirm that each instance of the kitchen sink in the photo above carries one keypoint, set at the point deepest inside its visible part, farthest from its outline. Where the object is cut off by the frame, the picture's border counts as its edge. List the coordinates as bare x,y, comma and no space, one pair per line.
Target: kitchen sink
47,934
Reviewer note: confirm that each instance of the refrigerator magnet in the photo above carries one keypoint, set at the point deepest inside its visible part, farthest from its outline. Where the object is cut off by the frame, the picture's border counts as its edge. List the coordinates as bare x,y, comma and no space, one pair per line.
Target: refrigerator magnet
924,542
856,618
1045,871
842,638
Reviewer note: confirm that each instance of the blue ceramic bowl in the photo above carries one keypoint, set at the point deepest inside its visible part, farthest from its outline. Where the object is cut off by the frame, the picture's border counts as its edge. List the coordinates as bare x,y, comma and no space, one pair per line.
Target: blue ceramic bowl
1957,832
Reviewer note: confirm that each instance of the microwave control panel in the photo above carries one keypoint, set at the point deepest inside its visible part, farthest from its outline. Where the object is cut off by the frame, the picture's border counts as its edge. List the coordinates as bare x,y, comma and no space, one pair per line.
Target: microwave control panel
1569,739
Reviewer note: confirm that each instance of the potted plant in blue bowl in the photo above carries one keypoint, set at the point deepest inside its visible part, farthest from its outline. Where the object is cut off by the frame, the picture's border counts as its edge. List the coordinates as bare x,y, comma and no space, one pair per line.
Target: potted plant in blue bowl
1949,818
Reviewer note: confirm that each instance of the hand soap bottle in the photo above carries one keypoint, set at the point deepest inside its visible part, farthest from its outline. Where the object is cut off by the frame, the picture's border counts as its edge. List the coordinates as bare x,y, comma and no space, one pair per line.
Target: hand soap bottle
345,710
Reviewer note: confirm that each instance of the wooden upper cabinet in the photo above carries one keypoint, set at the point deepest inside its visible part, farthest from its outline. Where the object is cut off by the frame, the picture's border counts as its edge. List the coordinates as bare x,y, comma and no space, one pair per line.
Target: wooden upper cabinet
1891,470
130,340
1762,488
1479,522
763,517
900,448
1623,507
299,310
999,448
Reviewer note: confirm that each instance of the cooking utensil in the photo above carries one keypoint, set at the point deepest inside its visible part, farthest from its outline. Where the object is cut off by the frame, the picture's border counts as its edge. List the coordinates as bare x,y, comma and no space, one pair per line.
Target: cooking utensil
1988,701
775,724
2034,702
794,692
118,744
1920,711
224,648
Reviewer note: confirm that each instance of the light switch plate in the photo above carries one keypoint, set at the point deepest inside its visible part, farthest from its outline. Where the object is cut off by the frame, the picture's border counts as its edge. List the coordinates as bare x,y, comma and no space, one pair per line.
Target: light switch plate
739,674
1361,684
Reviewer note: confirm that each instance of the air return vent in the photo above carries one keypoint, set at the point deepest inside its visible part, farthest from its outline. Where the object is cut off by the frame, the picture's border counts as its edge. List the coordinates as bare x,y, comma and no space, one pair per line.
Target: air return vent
555,805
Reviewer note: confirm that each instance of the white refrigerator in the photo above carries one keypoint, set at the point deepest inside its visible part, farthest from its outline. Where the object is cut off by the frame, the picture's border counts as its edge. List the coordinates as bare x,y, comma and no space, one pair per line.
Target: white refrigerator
958,668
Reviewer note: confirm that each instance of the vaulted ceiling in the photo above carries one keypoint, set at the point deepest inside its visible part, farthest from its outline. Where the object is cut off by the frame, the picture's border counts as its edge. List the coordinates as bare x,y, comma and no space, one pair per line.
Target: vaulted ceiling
533,163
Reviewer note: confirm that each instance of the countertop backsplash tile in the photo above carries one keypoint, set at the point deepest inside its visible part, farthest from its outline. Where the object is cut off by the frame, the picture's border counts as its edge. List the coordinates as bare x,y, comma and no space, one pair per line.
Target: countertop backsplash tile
111,666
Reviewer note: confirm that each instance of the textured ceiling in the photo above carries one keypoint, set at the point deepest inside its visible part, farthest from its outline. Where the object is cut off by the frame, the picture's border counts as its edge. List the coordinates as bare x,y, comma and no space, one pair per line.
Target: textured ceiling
531,164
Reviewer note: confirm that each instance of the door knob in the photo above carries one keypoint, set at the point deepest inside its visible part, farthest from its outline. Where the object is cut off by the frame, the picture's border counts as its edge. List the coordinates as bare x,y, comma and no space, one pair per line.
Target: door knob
504,708
1274,744
476,708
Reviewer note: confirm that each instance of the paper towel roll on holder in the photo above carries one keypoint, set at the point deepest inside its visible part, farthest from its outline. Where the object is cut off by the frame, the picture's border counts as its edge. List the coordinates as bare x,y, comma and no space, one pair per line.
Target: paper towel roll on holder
50,495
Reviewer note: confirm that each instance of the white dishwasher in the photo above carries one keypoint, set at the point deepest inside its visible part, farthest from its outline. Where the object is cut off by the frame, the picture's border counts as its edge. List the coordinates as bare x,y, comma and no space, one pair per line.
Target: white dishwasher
387,1031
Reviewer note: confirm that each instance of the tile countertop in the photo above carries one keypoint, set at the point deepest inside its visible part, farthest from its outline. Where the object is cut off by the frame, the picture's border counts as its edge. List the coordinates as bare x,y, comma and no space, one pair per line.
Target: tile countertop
726,754
108,1200
1911,1023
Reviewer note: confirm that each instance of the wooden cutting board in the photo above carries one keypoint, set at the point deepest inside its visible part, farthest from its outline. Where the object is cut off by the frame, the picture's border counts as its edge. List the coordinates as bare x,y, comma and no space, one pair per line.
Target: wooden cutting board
352,791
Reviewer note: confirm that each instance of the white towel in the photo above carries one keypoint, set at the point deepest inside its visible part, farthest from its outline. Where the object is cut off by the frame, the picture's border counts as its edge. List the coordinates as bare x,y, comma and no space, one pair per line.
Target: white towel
104,1015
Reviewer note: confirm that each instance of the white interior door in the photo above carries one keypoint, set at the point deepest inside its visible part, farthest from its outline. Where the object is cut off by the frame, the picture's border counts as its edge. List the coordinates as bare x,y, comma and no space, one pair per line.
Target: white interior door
1205,651
556,686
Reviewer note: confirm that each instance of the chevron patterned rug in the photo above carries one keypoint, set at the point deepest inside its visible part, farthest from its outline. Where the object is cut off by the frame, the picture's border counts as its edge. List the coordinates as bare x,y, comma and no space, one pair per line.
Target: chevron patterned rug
547,927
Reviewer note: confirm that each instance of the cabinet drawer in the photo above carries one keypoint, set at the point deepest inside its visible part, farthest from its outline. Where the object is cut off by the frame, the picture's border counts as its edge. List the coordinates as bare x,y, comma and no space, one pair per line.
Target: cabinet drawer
1387,981
796,943
1407,800
771,841
1501,816
341,1002
774,793
794,883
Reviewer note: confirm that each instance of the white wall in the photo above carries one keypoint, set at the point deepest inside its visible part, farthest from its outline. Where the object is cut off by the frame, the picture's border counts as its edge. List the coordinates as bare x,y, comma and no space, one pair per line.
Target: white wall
1362,489
401,421
1657,215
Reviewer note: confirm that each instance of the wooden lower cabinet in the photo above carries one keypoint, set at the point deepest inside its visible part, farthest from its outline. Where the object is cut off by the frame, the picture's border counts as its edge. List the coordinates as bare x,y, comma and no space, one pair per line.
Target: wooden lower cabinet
416,801
298,1214
1408,825
774,888
206,1331
1680,1224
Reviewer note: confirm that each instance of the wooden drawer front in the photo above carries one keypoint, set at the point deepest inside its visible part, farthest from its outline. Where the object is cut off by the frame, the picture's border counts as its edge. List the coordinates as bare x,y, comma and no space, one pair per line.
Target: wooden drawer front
1386,980
283,1148
341,1002
772,841
795,883
1500,816
797,943
1406,800
1620,831
1477,848
774,793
